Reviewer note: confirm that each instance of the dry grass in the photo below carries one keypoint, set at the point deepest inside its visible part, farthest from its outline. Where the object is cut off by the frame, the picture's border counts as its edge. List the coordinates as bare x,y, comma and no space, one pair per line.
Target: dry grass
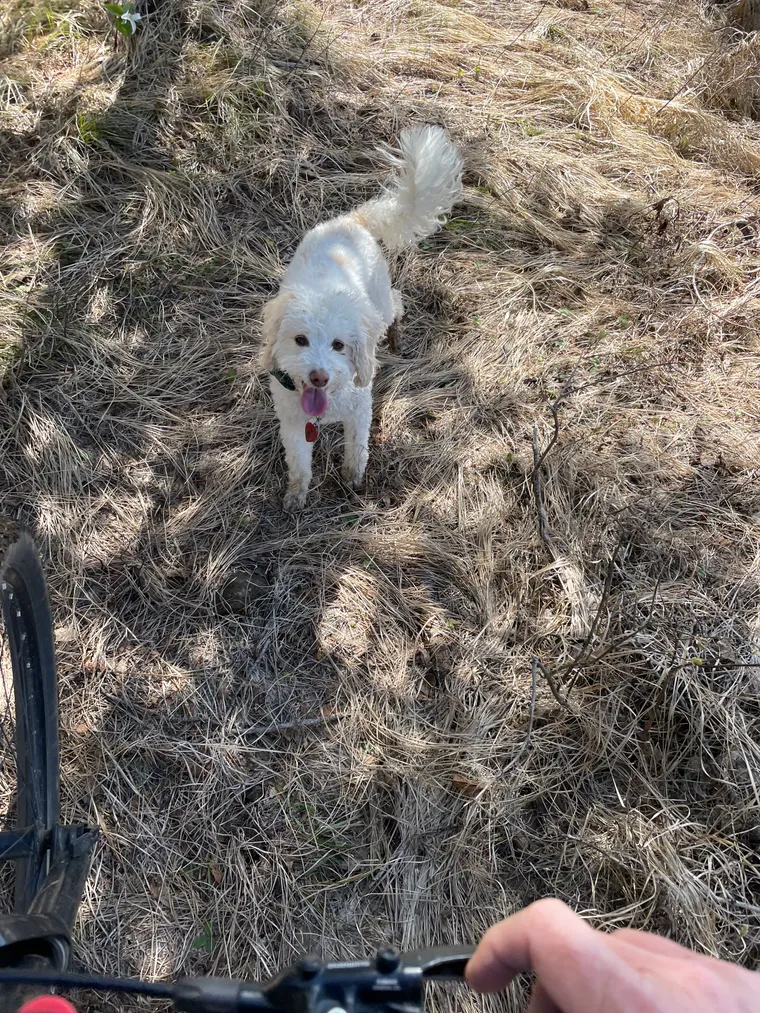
333,732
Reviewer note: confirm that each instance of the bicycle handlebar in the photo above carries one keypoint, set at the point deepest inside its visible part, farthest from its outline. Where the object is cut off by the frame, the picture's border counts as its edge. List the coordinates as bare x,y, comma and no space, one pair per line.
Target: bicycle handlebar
391,982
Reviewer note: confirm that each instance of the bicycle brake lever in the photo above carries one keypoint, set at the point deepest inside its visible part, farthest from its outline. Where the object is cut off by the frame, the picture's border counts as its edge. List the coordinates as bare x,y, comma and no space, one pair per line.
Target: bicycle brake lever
440,963
392,982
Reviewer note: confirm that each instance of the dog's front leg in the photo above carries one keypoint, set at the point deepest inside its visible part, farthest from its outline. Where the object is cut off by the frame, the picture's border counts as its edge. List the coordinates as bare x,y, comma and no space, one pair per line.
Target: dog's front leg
356,435
298,457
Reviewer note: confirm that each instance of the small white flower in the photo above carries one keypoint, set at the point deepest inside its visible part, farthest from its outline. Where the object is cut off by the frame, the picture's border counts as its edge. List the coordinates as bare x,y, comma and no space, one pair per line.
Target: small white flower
131,17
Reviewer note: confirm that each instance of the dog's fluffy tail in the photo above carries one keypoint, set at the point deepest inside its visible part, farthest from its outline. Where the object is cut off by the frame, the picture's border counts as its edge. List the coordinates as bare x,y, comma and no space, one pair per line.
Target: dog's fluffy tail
427,184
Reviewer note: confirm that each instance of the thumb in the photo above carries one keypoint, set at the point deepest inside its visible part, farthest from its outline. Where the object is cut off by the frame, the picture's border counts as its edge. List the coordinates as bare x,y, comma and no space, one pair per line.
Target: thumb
575,965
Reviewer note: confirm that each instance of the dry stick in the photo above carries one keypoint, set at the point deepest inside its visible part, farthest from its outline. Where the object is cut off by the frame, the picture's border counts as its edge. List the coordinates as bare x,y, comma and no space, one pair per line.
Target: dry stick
543,528
554,409
578,657
526,742
617,376
306,48
293,726
581,657
539,458
552,684
537,482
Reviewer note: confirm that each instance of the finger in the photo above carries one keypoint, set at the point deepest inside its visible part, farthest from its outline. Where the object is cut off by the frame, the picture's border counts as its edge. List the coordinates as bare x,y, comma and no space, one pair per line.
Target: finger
656,944
540,1002
575,964
505,949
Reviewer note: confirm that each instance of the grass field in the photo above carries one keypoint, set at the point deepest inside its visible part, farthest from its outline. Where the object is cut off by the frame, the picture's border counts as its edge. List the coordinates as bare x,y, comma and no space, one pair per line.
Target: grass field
526,660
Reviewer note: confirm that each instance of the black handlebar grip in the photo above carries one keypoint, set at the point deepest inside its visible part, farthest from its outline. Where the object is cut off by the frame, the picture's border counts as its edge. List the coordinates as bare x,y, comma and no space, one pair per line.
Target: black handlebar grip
216,995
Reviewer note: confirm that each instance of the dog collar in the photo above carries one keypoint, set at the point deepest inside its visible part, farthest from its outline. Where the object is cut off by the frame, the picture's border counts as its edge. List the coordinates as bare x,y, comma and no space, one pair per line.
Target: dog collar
282,377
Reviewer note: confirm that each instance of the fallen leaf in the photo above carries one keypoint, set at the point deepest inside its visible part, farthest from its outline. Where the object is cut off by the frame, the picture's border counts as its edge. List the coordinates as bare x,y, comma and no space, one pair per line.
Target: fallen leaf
465,785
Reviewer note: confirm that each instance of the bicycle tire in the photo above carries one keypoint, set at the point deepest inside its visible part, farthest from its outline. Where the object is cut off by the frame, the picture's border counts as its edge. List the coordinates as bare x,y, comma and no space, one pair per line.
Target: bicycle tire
30,646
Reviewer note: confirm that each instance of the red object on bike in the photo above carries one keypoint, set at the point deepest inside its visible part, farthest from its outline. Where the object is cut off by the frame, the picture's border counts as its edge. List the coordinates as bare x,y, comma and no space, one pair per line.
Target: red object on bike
47,1004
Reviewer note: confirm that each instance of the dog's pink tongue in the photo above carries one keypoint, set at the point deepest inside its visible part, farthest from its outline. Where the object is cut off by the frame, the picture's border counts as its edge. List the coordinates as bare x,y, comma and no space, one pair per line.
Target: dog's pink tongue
314,401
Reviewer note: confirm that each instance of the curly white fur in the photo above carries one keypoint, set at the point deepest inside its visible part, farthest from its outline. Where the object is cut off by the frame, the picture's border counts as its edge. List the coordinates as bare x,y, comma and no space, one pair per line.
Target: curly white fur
337,296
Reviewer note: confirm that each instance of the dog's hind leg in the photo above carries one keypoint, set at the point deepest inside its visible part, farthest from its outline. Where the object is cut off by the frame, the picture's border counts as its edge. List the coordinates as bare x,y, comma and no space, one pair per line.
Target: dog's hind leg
393,337
298,457
356,436
394,328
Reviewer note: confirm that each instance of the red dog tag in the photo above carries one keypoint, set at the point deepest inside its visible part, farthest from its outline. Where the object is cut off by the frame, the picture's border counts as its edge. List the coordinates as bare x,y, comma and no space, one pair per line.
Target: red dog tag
48,1004
311,432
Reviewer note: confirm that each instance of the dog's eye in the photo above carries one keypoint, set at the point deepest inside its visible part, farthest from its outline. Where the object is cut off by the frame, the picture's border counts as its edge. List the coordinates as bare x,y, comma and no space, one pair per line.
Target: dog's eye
302,340
338,345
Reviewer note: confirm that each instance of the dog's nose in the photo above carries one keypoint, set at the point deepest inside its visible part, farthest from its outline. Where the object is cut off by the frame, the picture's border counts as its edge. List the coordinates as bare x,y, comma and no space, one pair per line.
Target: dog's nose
319,378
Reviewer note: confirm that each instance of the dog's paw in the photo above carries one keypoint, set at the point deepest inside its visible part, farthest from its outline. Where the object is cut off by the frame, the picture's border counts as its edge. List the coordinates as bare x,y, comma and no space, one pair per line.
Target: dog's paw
294,501
354,479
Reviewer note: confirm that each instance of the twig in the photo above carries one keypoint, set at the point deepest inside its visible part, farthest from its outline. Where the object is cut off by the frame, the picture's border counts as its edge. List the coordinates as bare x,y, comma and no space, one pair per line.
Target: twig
306,48
576,660
527,27
552,684
526,742
272,729
580,656
538,492
687,82
554,409
292,726
539,457
618,376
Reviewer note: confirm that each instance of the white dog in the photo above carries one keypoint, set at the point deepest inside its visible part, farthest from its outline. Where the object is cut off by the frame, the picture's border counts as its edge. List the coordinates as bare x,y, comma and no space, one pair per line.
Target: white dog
336,302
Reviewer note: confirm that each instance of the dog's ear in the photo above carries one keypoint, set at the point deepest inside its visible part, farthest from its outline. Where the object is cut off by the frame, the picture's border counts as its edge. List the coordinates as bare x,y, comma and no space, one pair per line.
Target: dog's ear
363,358
271,318
363,349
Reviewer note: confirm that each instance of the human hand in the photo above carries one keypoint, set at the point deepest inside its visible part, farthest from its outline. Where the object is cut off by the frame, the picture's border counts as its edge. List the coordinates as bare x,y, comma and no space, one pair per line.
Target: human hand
581,970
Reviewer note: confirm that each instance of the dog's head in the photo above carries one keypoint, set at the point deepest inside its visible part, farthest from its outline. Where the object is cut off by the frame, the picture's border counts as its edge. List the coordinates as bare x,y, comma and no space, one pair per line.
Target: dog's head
321,341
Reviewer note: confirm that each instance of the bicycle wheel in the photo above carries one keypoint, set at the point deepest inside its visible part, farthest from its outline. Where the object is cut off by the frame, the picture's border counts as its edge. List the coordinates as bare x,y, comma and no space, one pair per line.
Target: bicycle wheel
28,712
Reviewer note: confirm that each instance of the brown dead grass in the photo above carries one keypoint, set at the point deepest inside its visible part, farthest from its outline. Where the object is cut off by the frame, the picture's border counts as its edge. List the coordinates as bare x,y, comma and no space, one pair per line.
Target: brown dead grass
331,733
